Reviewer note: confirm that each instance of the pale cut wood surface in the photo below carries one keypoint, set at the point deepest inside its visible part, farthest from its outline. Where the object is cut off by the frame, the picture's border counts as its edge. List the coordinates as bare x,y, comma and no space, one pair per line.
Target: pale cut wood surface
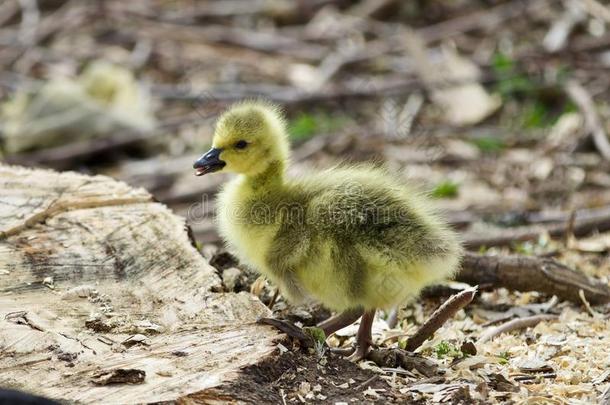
76,248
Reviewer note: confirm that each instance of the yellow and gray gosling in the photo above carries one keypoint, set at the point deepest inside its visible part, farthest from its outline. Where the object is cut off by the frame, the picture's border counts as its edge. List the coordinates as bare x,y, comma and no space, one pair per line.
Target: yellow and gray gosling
351,237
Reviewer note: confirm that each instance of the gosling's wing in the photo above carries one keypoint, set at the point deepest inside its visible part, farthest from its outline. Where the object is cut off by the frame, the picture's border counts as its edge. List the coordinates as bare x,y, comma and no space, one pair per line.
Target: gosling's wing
380,215
292,245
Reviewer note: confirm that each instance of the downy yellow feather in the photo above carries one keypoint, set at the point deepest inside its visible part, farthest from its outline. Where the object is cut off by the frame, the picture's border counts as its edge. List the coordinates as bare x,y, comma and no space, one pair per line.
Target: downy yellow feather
351,237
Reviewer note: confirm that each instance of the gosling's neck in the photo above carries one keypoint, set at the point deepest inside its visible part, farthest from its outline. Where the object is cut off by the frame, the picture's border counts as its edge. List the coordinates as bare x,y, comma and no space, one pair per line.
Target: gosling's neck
271,177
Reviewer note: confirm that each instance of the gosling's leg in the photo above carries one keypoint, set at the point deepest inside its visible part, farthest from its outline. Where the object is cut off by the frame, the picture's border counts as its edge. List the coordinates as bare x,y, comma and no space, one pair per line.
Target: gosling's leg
274,298
364,338
340,321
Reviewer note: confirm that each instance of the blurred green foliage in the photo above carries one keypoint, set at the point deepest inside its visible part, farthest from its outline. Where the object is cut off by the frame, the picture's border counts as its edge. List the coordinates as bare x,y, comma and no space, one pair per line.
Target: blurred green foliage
489,144
523,248
510,81
536,115
305,125
541,104
446,189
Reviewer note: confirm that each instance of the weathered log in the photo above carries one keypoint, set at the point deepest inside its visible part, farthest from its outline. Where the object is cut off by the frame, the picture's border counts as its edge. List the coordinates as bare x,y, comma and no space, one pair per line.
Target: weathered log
524,273
104,299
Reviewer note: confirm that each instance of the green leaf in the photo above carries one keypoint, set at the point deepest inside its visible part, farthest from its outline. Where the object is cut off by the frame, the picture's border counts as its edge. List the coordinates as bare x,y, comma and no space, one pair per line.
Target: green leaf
504,357
446,349
317,334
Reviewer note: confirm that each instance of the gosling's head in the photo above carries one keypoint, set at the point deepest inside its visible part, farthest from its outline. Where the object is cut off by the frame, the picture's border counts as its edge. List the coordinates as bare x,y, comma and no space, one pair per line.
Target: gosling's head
105,82
249,137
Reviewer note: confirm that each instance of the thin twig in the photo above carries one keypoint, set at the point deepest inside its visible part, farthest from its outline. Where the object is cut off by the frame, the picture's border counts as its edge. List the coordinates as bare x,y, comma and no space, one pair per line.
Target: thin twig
587,305
69,16
605,397
526,378
8,9
583,100
289,329
515,324
392,337
569,234
30,17
274,299
440,316
366,383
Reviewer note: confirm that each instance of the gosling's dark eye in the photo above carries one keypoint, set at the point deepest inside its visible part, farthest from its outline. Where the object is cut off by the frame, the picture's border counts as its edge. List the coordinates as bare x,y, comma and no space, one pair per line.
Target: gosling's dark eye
241,144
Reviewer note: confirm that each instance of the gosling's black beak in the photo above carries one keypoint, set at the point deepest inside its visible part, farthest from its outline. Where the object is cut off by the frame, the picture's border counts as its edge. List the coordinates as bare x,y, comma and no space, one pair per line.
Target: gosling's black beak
209,162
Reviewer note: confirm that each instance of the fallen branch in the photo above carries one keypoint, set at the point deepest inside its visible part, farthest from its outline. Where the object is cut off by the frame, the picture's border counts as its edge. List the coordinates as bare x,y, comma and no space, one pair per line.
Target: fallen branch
489,19
257,40
70,15
65,156
523,273
236,8
440,316
288,95
585,222
515,324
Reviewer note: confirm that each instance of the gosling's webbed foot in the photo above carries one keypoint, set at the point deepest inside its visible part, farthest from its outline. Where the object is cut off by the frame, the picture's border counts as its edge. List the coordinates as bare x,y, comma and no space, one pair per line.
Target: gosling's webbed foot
359,353
353,353
364,337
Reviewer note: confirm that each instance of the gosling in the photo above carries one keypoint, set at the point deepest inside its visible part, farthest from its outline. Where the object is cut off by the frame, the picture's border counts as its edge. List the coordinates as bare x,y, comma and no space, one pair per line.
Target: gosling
351,237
